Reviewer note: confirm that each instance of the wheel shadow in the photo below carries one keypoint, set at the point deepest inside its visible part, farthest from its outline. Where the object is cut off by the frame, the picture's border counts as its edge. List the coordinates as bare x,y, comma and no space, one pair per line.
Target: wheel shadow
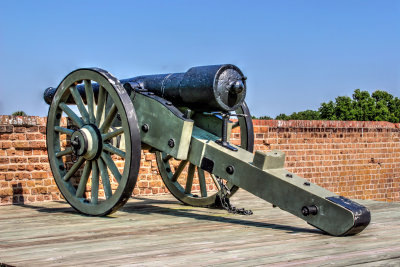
38,208
147,206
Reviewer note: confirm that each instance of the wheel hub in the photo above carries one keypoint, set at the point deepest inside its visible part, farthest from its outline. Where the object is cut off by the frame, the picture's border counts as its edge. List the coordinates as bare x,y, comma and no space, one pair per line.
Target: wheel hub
86,142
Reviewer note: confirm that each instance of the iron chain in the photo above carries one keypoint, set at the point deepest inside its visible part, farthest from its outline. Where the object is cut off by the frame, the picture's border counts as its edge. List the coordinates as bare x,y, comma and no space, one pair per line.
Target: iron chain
225,202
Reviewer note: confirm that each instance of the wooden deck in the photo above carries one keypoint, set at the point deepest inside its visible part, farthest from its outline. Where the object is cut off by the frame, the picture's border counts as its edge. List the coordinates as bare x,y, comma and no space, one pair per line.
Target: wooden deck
159,231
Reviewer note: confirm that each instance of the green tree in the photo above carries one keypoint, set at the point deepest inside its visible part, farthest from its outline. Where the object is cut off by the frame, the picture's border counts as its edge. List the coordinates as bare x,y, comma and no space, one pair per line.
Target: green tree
302,115
362,106
344,108
396,110
306,115
328,111
19,113
387,106
380,106
282,117
265,118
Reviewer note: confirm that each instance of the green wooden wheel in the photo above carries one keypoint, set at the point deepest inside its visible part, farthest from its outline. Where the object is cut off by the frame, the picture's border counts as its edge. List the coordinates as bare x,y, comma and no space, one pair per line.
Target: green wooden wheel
93,183
180,182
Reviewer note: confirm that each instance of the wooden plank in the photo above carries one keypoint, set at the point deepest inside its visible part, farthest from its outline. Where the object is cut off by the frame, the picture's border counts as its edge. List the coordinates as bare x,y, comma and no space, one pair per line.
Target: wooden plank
161,231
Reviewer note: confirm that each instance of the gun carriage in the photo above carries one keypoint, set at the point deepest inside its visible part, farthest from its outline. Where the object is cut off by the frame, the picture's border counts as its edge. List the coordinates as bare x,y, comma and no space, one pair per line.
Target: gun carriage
184,119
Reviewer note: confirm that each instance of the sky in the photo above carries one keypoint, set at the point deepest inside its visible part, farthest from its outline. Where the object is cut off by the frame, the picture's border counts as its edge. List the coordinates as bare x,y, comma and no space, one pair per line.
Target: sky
296,54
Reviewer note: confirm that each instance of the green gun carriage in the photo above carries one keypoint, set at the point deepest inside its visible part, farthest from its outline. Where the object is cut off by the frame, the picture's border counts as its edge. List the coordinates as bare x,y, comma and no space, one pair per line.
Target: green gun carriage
184,118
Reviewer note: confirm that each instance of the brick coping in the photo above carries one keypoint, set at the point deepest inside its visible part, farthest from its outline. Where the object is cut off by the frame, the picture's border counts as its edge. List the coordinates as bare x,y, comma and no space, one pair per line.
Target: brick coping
37,120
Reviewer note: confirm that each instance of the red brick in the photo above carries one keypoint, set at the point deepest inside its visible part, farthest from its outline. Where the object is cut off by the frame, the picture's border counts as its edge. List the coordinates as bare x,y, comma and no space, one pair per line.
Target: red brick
18,160
37,144
6,129
5,144
18,129
21,144
39,175
6,192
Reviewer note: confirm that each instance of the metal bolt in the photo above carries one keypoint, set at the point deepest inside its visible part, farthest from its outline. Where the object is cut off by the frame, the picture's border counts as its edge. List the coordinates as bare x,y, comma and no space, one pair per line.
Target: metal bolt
171,143
168,103
307,184
309,210
150,93
76,143
289,175
145,128
168,169
230,169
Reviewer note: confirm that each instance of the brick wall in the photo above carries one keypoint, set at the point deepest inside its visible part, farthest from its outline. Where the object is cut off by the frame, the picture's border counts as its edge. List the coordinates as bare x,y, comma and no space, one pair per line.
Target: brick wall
353,159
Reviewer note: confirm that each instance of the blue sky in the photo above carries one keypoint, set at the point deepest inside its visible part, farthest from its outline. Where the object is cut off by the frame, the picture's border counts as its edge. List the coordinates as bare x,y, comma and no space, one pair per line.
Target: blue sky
296,54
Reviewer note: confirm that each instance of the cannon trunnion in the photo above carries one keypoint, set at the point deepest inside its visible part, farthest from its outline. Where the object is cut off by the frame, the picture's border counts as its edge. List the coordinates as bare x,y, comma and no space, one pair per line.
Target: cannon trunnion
97,126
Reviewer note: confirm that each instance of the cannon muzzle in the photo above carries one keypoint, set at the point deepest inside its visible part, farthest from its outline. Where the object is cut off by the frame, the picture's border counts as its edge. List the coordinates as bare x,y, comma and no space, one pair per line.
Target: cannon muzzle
204,88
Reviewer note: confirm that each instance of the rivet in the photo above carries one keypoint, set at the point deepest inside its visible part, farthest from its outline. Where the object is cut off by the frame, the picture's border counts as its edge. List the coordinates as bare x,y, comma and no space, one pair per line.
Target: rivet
230,169
168,103
145,128
171,143
307,184
289,175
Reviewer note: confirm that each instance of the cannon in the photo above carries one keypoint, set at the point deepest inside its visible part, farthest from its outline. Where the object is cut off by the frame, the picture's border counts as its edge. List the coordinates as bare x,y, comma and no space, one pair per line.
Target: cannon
184,118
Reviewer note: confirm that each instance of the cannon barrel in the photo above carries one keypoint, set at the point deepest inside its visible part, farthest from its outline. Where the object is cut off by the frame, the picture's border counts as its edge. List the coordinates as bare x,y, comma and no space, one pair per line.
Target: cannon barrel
204,88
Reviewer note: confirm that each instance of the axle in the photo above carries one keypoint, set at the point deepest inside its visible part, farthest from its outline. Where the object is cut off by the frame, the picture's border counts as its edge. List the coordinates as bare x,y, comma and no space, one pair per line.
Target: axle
204,88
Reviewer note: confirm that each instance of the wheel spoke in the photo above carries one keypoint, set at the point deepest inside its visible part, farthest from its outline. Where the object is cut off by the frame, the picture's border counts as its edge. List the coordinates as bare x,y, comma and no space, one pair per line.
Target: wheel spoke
95,183
179,170
74,168
79,103
67,151
112,134
78,122
111,165
104,178
189,180
202,182
114,150
216,182
100,104
82,183
63,130
109,119
90,100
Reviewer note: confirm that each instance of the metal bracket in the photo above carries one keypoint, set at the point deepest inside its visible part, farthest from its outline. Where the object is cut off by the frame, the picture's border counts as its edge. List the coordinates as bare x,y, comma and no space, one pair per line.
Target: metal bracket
224,136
